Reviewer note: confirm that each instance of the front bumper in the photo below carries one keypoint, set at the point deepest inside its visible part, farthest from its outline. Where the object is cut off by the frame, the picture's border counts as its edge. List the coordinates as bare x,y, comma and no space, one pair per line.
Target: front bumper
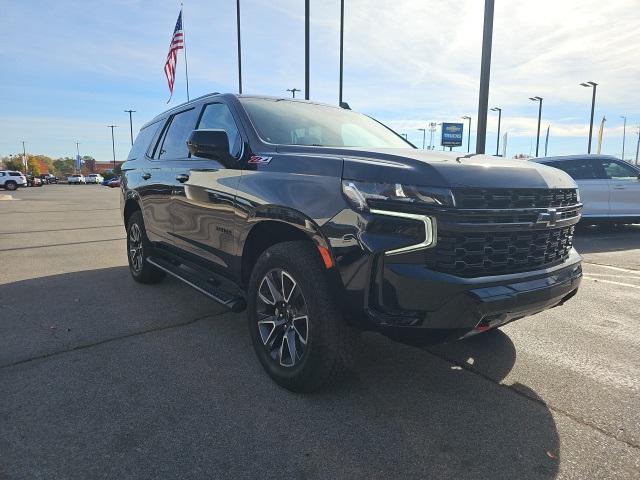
416,305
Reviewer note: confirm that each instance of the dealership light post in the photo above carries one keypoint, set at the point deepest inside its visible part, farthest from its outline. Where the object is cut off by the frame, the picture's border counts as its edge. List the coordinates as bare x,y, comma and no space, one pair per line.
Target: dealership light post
239,47
539,100
499,110
306,49
592,85
485,75
341,49
424,136
130,123
624,133
466,117
113,145
24,157
293,91
638,146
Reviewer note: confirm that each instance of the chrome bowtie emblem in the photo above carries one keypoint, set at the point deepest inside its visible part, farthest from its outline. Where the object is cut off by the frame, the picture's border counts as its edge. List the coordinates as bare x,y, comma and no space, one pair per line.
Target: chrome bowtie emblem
550,217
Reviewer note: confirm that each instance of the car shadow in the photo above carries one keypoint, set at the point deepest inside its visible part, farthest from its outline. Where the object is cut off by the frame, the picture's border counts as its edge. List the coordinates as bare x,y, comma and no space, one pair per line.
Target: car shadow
168,386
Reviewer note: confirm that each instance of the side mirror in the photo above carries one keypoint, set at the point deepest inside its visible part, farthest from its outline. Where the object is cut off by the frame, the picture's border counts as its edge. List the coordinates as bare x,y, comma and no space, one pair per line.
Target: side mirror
210,143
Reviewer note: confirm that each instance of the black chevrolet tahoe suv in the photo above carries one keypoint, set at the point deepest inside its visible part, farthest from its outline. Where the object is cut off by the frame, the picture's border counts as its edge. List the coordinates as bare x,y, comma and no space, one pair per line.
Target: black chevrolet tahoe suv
322,222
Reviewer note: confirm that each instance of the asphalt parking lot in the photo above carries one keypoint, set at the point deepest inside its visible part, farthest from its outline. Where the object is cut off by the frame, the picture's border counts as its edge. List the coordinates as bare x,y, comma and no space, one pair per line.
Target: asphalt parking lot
103,378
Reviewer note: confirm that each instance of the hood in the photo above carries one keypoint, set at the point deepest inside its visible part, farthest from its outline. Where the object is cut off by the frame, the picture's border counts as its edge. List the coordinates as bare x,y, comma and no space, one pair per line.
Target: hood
446,169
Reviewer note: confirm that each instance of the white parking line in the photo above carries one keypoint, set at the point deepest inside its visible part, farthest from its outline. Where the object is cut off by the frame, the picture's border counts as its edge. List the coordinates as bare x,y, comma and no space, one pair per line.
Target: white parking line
620,269
611,282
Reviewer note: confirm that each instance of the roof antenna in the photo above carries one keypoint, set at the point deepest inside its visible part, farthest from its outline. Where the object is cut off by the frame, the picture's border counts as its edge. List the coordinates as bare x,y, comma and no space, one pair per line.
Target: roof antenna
345,105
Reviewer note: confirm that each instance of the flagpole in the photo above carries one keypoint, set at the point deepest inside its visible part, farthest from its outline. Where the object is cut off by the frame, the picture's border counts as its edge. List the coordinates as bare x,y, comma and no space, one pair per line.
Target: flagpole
184,48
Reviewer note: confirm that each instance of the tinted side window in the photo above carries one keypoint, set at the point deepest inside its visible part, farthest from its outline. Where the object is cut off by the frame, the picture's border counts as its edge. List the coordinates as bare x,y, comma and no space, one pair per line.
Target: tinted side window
142,141
218,116
14,174
619,170
578,169
174,144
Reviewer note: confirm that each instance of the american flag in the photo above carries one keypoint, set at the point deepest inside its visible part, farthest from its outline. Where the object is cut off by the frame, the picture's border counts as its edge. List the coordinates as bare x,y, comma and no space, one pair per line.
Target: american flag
177,43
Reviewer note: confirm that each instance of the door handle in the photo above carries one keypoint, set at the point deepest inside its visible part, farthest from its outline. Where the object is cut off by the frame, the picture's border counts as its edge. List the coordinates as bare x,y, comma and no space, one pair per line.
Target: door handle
619,187
182,177
146,176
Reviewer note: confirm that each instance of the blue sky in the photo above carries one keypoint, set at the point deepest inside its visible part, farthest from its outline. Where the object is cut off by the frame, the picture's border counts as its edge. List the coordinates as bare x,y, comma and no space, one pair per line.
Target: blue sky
70,68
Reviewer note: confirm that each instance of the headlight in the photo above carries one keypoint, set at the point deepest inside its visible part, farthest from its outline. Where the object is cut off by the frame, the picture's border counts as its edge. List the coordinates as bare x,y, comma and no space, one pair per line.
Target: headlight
365,195
388,198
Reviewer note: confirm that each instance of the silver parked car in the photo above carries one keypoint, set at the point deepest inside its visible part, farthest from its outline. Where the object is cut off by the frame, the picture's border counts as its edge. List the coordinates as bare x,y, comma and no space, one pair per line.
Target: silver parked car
609,187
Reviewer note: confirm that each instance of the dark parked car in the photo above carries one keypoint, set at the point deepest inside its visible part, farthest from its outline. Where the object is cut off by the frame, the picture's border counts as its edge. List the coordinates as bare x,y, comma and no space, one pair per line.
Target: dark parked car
48,178
34,181
322,222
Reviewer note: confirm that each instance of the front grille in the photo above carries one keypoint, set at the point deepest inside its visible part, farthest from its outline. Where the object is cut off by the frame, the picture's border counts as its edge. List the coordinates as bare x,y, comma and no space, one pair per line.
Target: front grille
499,198
499,253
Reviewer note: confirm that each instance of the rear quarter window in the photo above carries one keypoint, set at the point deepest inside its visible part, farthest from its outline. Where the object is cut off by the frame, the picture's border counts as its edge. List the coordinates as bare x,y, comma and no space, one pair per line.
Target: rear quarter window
143,139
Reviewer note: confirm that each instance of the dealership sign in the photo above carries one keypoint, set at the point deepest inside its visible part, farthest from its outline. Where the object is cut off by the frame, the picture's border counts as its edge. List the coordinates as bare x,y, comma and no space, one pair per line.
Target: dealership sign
452,134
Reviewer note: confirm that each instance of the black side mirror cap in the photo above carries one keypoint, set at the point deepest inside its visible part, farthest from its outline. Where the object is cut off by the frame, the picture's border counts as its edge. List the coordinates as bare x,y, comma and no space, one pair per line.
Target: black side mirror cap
210,143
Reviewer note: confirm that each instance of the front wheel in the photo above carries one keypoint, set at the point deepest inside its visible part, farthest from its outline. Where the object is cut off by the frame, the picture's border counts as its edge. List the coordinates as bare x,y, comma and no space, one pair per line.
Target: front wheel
296,325
139,249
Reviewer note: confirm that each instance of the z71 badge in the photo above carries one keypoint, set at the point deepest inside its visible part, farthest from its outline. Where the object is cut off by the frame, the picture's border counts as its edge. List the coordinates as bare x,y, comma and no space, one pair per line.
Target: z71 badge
257,159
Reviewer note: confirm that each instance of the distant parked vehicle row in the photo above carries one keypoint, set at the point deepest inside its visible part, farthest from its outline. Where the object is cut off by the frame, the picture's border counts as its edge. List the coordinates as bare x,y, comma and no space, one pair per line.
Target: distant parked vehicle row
48,178
76,179
11,180
95,178
34,181
609,187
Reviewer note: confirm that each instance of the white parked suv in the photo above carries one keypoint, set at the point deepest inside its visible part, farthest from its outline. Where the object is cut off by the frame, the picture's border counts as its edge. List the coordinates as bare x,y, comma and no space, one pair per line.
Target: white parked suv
10,179
609,187
94,178
76,179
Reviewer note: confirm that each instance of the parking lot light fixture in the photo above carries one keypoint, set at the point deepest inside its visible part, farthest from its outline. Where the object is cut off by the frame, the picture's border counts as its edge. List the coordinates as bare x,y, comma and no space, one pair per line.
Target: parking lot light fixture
499,110
592,85
293,91
466,117
113,145
130,124
624,133
424,136
539,100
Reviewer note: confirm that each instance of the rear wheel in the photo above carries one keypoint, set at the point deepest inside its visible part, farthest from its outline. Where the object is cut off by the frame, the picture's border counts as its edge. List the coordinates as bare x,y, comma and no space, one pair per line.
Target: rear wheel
296,326
11,185
139,248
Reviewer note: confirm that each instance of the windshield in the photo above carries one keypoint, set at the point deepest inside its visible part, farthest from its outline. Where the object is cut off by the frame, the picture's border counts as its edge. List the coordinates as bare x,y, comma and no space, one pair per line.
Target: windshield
287,122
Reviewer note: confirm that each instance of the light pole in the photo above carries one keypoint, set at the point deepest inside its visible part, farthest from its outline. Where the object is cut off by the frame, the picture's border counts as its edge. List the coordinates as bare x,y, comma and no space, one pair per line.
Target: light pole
593,106
432,131
306,49
130,123
466,117
499,110
485,75
424,136
113,145
24,157
624,134
638,146
239,48
78,162
293,91
341,49
539,100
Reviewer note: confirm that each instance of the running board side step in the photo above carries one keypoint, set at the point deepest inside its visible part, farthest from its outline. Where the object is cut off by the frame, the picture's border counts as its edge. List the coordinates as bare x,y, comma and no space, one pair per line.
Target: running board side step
235,303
